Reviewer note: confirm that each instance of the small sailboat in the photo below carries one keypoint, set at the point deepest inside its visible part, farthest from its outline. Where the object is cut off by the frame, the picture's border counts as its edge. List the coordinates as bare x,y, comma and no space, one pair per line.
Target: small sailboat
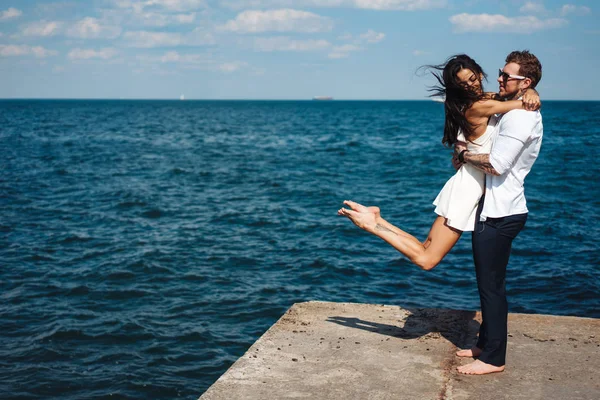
182,97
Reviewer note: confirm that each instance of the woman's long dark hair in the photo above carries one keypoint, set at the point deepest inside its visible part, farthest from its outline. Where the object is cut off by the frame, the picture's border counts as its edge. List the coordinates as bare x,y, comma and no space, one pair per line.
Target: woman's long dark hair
458,97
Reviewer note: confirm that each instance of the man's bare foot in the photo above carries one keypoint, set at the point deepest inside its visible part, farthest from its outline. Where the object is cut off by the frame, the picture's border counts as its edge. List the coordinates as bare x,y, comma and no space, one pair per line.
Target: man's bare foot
472,352
478,367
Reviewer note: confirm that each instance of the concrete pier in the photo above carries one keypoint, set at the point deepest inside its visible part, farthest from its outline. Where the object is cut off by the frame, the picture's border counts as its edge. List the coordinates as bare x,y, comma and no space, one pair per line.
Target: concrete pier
322,350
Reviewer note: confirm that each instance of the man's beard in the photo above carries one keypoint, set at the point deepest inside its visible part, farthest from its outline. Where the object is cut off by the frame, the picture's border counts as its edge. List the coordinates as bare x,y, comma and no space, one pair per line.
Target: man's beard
512,96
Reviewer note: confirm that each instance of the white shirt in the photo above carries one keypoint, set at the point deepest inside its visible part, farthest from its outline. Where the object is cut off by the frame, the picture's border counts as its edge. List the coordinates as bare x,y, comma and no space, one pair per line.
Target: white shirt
515,149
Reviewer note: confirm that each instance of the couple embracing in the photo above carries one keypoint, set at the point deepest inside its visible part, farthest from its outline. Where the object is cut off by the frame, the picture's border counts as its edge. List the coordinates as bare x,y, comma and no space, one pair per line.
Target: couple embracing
496,139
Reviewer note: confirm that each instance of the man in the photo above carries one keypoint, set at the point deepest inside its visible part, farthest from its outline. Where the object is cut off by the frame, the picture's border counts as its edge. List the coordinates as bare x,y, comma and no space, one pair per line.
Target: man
502,211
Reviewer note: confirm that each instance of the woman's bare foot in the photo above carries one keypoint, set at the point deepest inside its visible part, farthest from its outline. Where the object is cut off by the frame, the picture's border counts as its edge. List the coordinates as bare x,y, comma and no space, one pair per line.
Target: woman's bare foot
375,210
472,352
360,215
360,208
478,367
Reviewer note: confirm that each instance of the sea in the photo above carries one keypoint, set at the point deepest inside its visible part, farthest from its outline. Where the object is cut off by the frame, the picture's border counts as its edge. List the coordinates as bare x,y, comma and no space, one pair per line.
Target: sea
145,245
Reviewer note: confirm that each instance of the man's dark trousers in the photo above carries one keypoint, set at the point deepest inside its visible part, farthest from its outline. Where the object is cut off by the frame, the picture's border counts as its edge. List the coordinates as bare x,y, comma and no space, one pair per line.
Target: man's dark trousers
492,241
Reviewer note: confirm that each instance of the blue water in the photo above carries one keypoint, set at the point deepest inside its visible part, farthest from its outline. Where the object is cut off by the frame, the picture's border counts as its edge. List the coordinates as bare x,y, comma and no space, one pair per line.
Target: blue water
145,245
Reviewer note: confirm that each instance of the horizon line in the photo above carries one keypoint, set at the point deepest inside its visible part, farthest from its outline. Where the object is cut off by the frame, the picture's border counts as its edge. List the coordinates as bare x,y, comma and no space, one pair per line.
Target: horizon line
234,99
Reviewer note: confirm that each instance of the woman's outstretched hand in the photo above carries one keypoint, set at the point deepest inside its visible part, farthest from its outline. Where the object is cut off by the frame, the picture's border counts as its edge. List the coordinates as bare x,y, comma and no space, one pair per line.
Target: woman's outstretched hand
531,100
364,217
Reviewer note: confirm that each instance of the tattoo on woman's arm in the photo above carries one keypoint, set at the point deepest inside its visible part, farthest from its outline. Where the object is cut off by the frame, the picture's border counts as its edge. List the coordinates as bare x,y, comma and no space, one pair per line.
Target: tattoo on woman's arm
380,227
481,162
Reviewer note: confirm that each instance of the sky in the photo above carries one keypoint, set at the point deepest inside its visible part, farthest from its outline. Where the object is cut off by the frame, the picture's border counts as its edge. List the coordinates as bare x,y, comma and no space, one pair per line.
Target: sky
285,49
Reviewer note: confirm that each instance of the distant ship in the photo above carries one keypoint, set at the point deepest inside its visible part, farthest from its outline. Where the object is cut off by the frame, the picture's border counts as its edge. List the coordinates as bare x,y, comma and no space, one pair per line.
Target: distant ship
322,98
439,99
182,97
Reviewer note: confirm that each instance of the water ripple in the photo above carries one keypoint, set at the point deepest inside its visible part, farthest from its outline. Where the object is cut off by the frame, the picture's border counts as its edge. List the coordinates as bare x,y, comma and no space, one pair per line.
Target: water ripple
147,245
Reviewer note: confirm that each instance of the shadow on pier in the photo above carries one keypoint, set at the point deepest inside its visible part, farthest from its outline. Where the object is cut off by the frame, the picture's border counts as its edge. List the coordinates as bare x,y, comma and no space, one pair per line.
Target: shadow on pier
458,327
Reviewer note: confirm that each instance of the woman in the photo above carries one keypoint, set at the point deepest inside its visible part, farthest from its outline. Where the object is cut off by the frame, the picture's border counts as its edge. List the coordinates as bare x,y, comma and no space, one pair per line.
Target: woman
468,110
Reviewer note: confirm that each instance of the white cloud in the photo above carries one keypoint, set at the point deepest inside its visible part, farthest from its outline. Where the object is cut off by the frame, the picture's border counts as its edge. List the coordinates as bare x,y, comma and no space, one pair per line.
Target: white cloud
42,52
86,54
23,50
199,37
372,37
171,5
190,61
160,20
284,20
175,57
42,28
346,48
171,56
369,36
184,18
343,51
258,71
179,5
399,5
146,18
91,28
86,28
418,53
10,13
358,43
500,23
532,7
147,39
54,7
284,43
573,9
241,4
14,50
232,66
335,56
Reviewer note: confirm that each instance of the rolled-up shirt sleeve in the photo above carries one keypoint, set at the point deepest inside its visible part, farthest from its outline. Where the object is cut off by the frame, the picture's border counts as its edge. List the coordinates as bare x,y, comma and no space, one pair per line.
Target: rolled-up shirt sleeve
514,133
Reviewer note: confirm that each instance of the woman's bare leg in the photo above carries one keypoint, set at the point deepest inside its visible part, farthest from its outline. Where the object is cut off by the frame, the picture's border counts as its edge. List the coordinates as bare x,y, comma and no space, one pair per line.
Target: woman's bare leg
439,242
426,255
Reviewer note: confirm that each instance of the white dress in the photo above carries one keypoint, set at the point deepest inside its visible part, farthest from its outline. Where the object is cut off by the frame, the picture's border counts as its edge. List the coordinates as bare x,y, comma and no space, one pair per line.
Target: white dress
460,196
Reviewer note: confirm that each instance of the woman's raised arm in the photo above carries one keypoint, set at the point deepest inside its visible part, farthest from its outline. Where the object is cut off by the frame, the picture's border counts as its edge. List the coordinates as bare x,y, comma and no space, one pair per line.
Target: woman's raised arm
488,107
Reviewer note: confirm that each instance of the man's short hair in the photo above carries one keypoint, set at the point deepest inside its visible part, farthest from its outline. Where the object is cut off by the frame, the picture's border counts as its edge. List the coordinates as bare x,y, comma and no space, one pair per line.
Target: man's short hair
529,65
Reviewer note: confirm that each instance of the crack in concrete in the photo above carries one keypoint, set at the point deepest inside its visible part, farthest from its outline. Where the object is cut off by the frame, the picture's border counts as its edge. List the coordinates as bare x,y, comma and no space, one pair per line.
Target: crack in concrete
451,362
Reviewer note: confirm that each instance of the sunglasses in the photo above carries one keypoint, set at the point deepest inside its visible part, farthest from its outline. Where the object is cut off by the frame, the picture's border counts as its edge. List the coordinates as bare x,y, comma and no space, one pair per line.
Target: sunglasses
505,76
